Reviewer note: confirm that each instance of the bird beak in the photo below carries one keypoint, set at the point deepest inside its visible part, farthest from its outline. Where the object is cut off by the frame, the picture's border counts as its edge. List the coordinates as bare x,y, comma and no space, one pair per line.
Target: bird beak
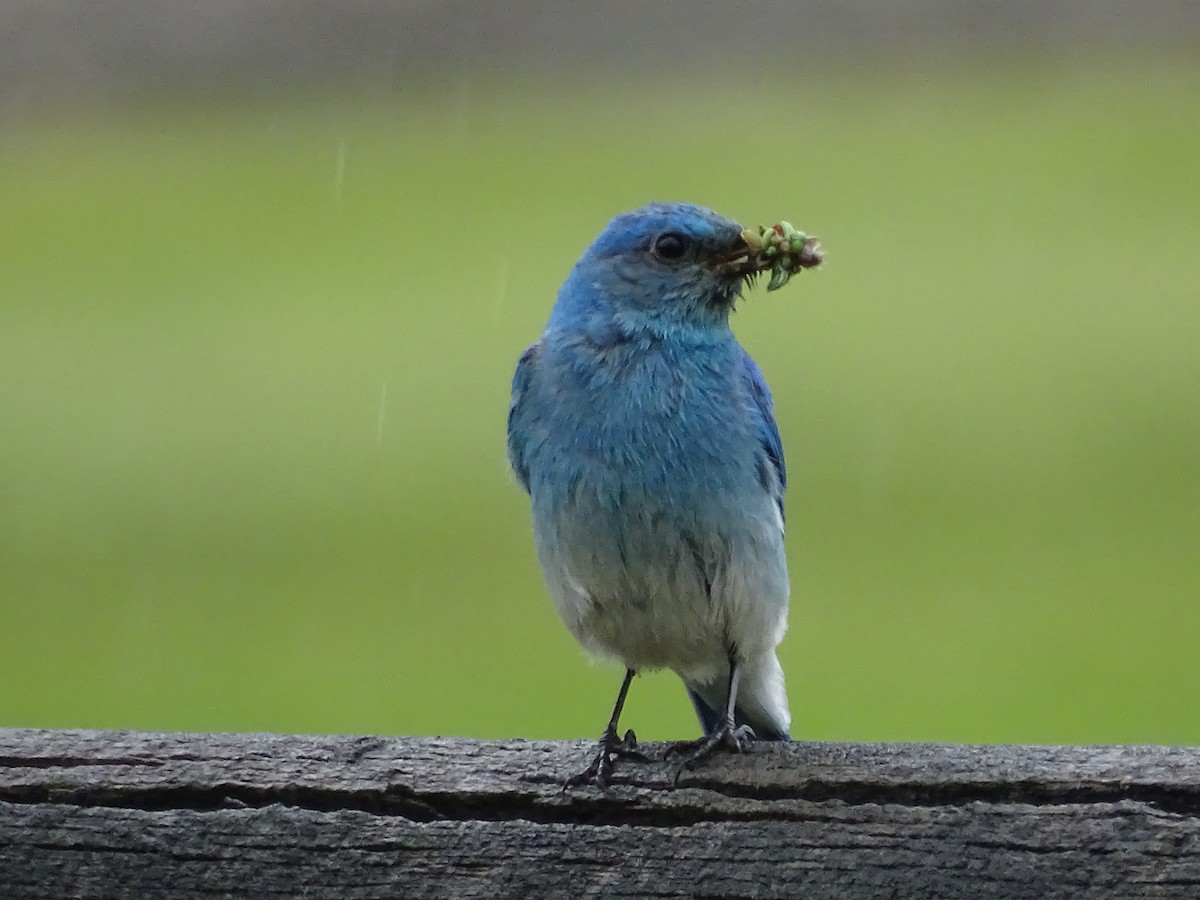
779,248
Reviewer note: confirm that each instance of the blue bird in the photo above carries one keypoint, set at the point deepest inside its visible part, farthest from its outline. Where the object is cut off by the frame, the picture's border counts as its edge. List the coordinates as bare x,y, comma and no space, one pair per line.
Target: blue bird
645,437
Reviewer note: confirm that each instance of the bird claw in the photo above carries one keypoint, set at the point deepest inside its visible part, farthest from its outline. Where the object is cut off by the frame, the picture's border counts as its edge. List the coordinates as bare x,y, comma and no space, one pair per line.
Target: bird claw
601,768
736,738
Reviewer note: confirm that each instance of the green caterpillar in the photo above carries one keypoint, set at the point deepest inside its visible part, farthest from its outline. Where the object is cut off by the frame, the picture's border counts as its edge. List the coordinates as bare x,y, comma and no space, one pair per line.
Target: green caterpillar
788,249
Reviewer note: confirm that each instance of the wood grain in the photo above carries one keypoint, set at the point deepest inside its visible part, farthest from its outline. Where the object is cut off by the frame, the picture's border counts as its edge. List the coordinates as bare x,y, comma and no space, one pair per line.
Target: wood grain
86,814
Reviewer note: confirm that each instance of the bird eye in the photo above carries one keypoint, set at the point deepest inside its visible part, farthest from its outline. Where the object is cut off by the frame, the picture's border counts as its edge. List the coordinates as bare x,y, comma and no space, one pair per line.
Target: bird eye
669,246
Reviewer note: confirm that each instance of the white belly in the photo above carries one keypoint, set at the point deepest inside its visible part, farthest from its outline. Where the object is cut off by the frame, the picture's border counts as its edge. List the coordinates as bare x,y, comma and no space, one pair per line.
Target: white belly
662,591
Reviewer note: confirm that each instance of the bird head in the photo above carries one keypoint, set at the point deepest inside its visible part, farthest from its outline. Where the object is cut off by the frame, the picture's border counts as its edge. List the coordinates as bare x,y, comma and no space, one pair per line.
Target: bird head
663,268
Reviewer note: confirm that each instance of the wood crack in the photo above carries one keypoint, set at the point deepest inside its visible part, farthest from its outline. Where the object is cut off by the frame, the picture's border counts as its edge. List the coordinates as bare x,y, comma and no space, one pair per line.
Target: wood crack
1184,800
799,803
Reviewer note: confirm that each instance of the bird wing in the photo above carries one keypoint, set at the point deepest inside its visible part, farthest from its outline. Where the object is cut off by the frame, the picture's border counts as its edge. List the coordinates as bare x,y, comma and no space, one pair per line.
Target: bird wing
518,428
768,431
761,701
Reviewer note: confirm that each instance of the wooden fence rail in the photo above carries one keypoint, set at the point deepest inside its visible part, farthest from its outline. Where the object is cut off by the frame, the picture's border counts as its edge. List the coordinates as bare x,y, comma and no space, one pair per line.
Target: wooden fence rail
93,814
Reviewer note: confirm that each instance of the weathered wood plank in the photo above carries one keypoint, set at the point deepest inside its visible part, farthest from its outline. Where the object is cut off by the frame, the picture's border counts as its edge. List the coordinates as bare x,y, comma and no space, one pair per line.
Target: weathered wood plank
135,815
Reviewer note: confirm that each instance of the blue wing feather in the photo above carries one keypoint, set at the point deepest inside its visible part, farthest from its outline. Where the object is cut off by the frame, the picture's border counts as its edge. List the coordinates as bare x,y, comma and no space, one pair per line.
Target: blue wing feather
518,435
769,438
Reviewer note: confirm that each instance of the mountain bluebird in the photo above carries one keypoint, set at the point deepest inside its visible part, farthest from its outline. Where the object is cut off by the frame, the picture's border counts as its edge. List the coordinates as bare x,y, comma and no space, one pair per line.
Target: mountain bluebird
644,435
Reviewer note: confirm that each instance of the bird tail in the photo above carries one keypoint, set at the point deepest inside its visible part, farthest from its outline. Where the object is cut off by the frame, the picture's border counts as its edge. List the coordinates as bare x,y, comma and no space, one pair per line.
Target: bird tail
761,699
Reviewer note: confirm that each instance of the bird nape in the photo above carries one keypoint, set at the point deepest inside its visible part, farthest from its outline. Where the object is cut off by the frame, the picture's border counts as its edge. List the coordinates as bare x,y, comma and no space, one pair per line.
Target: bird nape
646,438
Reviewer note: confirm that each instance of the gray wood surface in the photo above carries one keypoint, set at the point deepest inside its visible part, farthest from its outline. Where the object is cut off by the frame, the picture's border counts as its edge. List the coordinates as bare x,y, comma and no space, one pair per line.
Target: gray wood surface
87,814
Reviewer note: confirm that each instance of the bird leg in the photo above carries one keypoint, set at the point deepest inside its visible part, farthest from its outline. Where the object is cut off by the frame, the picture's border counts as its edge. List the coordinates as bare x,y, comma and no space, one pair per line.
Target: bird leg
727,734
611,746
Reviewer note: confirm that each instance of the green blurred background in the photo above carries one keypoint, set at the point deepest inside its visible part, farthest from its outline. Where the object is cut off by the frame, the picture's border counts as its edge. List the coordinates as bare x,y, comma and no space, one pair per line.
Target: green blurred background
254,359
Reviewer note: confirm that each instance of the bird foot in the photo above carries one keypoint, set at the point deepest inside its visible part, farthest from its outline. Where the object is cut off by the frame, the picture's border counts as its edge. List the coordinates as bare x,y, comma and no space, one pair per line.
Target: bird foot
736,738
601,768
